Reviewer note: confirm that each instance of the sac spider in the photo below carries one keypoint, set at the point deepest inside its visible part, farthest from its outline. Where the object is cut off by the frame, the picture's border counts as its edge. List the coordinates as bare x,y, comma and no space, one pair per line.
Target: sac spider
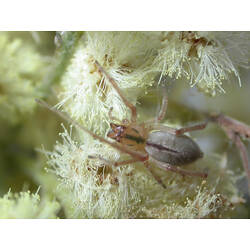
147,141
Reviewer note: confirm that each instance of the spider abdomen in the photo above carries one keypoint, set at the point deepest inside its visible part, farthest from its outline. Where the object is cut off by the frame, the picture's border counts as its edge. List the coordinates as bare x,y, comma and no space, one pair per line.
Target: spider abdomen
172,149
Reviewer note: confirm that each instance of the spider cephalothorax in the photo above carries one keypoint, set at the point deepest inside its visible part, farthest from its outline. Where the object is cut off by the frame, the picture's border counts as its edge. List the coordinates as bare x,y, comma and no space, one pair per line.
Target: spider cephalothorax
127,135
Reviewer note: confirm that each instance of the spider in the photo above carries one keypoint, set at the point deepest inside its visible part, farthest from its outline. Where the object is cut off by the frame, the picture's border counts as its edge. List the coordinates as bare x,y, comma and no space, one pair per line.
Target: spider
148,141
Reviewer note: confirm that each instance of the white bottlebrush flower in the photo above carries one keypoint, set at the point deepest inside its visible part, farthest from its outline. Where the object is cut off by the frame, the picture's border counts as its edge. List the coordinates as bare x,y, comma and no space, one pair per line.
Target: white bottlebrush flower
22,69
91,188
204,204
135,60
93,185
172,59
213,67
82,96
126,56
236,45
25,205
206,59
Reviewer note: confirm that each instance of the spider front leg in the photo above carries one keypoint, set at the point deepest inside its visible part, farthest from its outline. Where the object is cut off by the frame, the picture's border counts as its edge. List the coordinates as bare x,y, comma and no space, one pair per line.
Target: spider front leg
122,148
118,90
113,163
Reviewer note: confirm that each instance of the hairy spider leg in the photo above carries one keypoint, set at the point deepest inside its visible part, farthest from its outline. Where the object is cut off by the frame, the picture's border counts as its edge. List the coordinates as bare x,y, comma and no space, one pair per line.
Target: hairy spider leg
243,153
161,113
116,164
113,163
139,156
234,129
230,123
156,126
242,150
154,123
163,109
112,118
175,169
114,84
191,128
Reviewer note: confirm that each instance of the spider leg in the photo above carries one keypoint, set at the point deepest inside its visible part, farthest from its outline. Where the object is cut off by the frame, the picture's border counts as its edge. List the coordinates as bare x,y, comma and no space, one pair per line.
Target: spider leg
115,86
116,164
243,153
234,129
229,123
155,126
163,109
157,178
242,150
122,148
180,171
161,113
113,163
190,128
154,123
112,118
